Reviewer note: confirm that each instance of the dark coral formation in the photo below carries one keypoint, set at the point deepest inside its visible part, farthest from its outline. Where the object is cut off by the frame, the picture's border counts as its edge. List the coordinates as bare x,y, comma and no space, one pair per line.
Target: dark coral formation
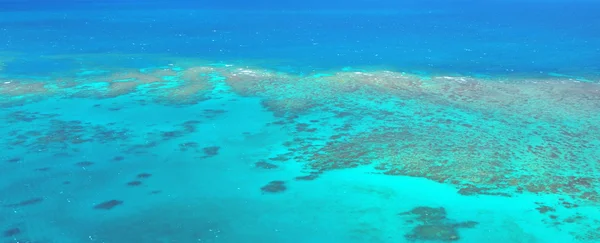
189,145
11,232
310,177
265,165
568,204
281,157
14,160
574,218
433,233
141,148
172,134
190,126
84,163
211,151
302,127
108,205
43,169
181,130
592,235
134,183
274,187
28,202
433,225
470,190
457,130
545,209
466,224
427,214
143,175
210,113
27,116
59,135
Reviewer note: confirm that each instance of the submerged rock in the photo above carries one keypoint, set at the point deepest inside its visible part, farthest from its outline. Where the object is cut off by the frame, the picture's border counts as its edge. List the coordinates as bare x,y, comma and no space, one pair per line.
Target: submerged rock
11,232
274,187
108,205
433,233
265,165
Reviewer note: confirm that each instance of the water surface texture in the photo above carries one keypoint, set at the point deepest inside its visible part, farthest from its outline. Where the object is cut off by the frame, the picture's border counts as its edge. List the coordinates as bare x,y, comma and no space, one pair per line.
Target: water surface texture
312,121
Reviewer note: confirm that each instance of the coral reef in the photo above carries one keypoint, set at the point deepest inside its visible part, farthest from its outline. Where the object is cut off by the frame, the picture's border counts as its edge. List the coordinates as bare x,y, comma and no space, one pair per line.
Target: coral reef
211,151
28,202
189,145
274,187
265,165
427,214
43,169
433,225
11,232
143,175
134,183
484,137
59,135
84,163
212,113
108,205
310,177
433,233
14,160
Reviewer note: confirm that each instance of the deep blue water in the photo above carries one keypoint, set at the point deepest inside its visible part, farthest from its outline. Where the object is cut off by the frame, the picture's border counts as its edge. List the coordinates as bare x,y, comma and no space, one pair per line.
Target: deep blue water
500,37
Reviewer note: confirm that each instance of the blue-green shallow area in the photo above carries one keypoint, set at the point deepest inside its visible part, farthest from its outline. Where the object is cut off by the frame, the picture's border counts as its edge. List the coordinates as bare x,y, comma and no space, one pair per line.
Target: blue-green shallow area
367,121
191,196
222,153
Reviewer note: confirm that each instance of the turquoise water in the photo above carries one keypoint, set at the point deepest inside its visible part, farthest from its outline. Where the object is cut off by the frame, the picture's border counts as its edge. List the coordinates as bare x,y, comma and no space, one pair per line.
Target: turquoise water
306,122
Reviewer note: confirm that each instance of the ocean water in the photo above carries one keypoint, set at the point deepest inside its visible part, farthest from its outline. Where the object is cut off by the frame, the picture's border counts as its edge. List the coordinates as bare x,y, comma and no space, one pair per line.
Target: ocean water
313,121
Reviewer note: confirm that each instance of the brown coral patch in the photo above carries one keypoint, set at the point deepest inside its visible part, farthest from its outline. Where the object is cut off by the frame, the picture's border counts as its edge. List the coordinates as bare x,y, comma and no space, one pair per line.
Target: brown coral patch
312,176
265,165
433,233
116,89
28,202
108,205
427,214
14,160
84,163
211,151
144,175
15,88
283,106
134,183
434,226
274,187
187,93
545,209
11,232
188,145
